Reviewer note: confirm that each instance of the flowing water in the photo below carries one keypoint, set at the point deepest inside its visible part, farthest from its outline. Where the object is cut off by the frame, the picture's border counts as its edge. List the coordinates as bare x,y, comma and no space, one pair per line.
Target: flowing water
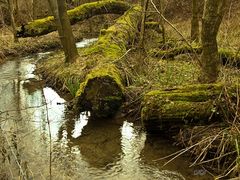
39,133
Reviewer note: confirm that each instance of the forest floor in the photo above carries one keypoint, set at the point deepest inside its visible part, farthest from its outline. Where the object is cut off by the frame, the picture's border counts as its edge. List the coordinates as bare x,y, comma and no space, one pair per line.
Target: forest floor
160,74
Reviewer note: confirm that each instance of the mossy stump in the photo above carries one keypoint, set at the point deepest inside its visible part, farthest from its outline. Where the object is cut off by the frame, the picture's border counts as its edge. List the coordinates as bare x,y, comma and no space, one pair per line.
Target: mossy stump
193,104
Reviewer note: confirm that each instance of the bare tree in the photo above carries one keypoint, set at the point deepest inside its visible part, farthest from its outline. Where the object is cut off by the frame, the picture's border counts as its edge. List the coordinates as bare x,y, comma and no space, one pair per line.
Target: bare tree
212,18
59,11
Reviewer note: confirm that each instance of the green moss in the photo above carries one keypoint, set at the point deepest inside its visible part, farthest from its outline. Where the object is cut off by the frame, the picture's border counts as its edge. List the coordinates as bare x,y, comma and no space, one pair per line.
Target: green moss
108,70
193,93
113,42
194,103
40,26
84,10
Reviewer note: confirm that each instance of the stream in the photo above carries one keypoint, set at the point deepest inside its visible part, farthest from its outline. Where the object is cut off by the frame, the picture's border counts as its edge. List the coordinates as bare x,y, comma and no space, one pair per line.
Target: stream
36,126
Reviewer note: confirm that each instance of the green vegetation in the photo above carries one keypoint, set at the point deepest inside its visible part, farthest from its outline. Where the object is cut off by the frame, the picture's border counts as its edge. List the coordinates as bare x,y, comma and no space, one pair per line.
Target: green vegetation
150,85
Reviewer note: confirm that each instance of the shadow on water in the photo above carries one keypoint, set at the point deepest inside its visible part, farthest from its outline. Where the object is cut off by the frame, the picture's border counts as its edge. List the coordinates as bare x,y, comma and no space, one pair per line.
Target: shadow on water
82,147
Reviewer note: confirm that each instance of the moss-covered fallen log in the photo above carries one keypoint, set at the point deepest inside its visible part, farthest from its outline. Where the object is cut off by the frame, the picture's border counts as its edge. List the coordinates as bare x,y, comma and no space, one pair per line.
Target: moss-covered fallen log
95,80
46,25
227,56
193,104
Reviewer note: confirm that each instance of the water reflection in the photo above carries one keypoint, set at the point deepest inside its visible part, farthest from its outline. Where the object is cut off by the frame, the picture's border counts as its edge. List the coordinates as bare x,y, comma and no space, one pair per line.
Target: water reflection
82,147
85,42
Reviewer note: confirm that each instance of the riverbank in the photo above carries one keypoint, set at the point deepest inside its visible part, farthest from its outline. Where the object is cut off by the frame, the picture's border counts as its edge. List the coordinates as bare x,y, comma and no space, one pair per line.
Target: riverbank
204,139
89,148
214,141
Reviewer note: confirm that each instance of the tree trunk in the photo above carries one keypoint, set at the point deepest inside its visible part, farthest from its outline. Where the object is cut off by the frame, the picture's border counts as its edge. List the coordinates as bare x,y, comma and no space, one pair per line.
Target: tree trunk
195,31
44,26
66,35
210,62
144,4
193,104
159,5
54,8
13,24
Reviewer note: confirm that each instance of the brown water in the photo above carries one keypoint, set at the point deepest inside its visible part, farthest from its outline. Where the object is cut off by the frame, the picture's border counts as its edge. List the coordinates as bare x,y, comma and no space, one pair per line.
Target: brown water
82,148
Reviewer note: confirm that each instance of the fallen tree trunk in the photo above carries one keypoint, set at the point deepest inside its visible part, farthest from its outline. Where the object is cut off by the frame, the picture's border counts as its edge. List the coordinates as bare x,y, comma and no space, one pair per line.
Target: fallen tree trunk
95,80
46,25
227,56
193,104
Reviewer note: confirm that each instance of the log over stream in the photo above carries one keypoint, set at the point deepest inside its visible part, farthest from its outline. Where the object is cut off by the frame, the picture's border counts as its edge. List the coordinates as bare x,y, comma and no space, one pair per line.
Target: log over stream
95,80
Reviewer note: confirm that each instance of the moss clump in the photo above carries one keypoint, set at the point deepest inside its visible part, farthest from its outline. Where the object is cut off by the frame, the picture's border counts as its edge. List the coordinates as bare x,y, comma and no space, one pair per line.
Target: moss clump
113,42
193,93
107,70
39,27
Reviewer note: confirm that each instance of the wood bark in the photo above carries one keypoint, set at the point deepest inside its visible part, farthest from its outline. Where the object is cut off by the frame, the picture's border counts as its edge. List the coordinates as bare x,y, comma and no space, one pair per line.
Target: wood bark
193,104
212,18
66,34
46,25
195,22
143,20
159,6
